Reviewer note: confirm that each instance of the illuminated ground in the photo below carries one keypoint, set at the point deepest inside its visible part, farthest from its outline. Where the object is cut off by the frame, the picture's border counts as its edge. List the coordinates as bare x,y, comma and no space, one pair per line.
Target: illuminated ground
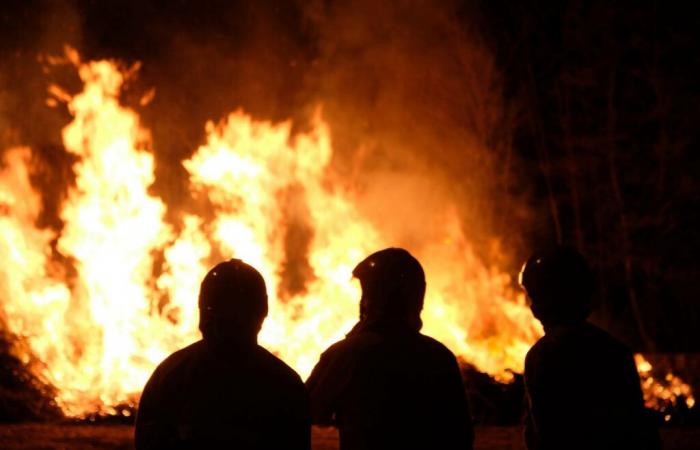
89,437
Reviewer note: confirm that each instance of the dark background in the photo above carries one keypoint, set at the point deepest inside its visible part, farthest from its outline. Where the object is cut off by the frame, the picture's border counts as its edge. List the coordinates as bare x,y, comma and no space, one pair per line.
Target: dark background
579,116
609,131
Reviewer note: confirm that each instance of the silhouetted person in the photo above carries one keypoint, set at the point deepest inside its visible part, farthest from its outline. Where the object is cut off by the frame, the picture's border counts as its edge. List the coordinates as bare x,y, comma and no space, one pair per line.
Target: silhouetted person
225,391
582,385
386,385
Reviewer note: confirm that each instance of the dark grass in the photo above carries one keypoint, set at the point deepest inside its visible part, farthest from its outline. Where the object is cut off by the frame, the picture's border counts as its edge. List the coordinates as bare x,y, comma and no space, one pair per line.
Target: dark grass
45,436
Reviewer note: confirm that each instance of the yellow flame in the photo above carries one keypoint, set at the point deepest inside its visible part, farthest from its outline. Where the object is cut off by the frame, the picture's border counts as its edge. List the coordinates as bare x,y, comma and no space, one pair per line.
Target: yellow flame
95,327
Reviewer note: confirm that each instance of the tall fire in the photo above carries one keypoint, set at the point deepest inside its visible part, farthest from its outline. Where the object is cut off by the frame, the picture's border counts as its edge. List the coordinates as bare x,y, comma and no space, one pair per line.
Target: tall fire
97,304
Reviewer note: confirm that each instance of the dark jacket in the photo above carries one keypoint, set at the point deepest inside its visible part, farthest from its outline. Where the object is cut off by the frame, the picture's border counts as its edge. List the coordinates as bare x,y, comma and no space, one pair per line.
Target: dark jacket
391,389
583,392
203,397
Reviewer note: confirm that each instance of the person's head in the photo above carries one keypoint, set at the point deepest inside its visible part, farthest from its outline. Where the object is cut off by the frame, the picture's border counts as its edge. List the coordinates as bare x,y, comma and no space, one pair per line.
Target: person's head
393,287
559,284
232,302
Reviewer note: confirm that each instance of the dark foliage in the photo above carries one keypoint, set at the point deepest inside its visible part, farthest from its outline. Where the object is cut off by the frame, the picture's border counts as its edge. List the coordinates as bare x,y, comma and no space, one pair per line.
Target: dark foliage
609,101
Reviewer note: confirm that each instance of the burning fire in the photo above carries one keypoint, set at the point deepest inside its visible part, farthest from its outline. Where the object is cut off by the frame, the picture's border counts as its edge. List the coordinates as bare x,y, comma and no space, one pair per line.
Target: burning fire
663,394
97,304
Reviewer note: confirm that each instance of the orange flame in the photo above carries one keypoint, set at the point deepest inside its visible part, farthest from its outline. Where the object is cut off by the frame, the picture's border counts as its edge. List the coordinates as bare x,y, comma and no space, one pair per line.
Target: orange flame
97,335
97,331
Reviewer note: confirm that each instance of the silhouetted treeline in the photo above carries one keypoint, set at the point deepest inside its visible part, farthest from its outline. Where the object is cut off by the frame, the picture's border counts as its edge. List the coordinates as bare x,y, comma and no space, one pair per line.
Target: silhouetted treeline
608,108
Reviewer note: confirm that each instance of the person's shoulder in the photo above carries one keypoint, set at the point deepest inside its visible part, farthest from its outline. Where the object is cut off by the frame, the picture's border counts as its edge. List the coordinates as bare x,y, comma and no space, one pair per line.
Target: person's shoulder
353,343
574,342
172,366
179,357
427,355
278,368
341,345
605,340
562,341
543,351
434,346
542,343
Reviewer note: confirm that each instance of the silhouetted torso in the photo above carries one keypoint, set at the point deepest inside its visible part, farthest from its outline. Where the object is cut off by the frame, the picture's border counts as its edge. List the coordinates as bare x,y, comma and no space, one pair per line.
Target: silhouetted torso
584,393
203,397
391,389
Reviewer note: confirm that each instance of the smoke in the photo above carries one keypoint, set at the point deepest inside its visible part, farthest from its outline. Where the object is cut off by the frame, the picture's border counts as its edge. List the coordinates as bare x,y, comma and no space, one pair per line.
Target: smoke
411,92
28,31
416,108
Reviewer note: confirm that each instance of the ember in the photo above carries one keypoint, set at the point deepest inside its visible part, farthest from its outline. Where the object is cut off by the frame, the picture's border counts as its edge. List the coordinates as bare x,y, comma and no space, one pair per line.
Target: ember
663,394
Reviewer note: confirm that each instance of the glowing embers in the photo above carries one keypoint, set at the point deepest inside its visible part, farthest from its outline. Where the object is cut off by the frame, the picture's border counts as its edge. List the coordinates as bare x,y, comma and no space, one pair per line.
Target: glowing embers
663,394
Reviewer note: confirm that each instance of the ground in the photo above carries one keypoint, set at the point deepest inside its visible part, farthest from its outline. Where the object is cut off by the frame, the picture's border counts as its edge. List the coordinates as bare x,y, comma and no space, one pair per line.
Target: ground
113,437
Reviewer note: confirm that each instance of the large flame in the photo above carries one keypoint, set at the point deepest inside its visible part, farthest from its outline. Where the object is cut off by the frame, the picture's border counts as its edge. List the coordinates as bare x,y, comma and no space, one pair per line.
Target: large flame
99,303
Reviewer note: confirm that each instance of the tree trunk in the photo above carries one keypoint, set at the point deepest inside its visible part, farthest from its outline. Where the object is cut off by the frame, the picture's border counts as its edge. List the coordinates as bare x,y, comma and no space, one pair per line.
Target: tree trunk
624,222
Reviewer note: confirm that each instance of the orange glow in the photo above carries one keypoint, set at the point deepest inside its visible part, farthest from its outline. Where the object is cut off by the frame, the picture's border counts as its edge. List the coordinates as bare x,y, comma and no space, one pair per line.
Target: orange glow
97,331
660,394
